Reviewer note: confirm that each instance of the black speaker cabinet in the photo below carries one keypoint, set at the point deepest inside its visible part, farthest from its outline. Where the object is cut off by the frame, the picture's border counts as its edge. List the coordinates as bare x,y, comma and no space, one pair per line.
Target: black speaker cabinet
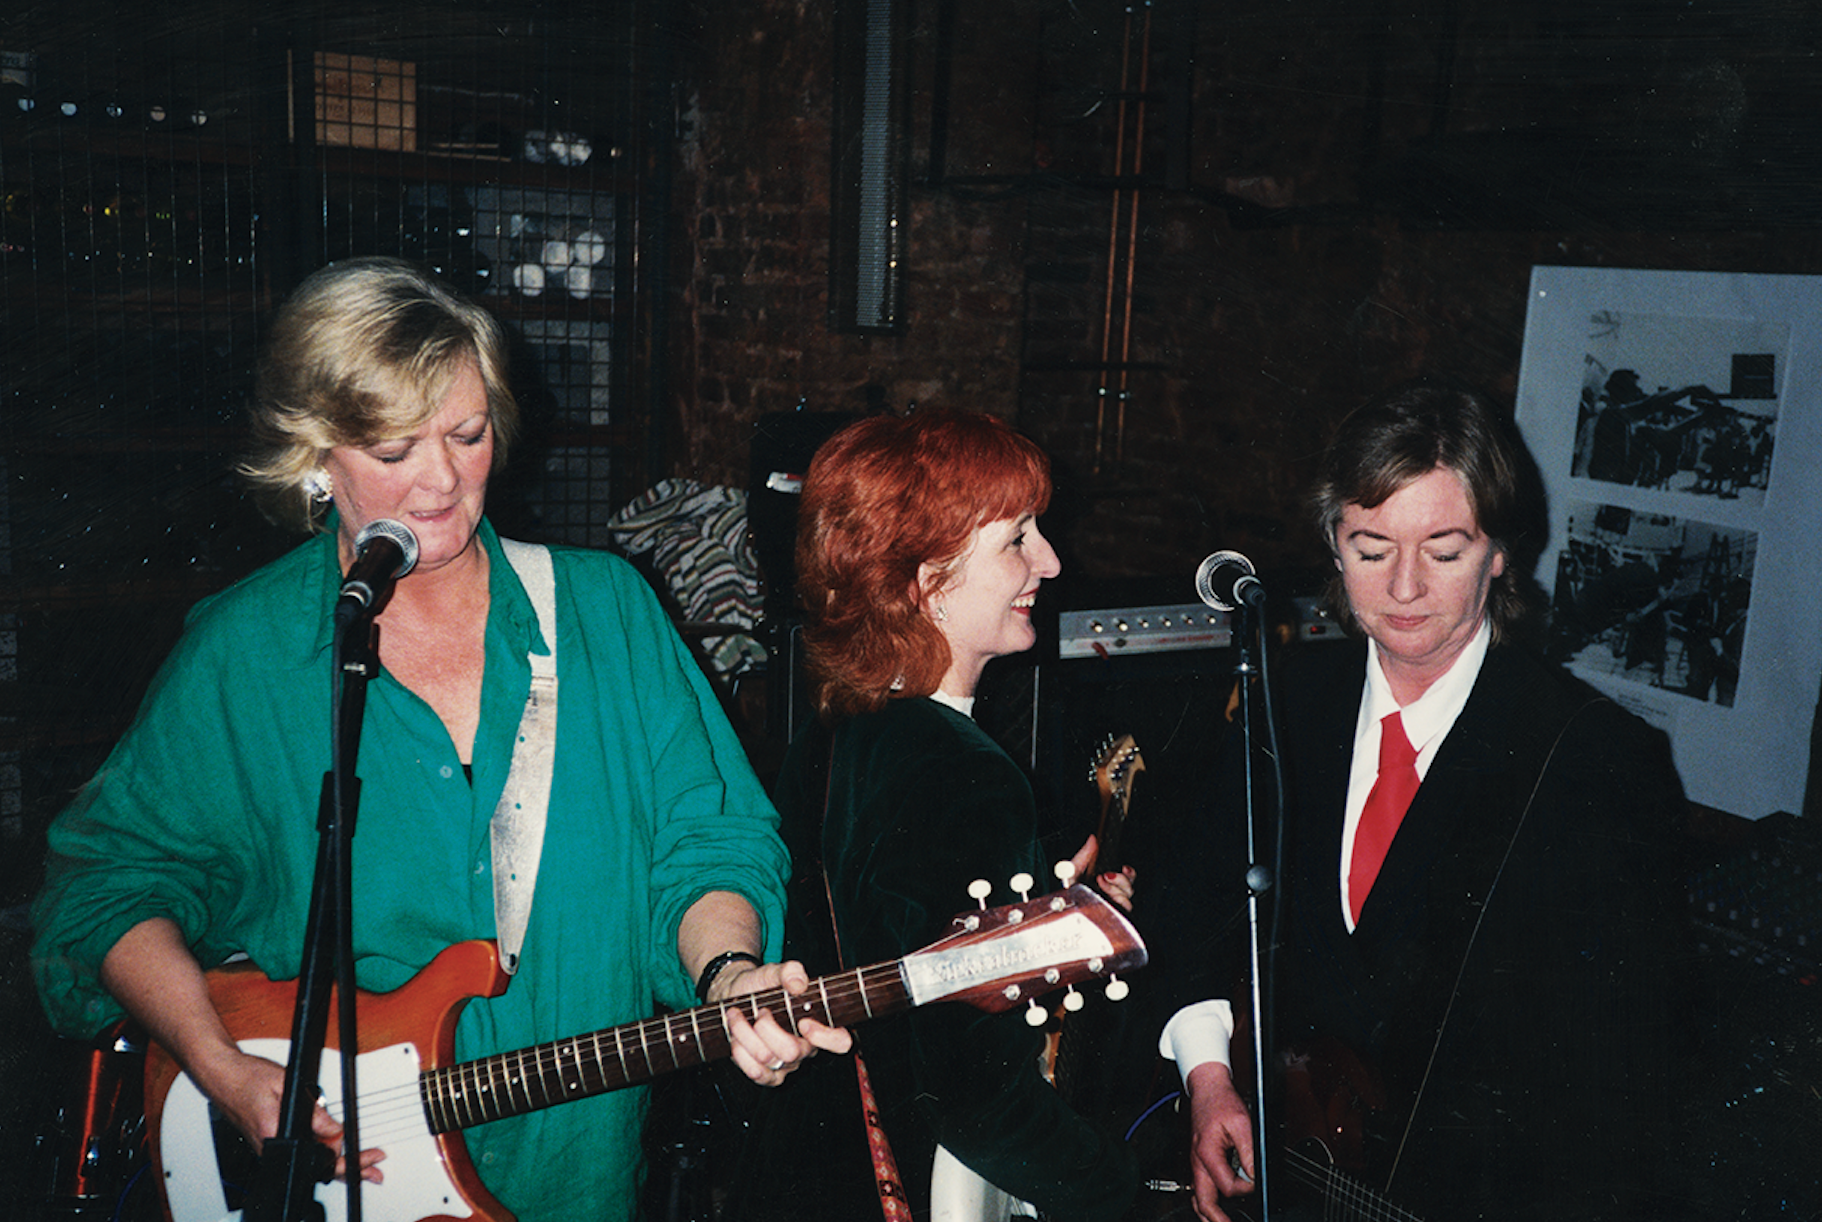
783,444
1055,716
1172,704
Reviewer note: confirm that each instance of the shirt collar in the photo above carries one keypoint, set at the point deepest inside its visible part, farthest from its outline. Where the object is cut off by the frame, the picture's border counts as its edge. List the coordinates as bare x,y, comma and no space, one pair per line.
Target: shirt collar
509,603
961,704
1432,713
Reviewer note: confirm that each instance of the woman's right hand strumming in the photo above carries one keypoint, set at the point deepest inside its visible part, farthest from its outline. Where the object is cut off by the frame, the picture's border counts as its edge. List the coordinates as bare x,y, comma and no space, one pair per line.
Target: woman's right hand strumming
151,972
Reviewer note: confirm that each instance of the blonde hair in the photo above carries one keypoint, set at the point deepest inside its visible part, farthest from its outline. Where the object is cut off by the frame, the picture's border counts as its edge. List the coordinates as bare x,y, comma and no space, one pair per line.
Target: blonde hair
364,349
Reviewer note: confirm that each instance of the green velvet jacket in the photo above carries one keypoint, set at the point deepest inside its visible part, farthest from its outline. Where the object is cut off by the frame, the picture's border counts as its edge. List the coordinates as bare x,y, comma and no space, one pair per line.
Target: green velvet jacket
921,802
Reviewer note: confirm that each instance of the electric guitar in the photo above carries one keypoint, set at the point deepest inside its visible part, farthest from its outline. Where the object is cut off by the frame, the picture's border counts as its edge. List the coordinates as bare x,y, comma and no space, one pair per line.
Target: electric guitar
414,1101
957,1191
1330,1100
1322,1161
1116,766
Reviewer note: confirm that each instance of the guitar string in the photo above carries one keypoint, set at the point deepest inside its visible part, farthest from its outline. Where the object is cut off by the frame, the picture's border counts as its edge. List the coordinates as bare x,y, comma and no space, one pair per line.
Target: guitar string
1344,1197
471,1089
837,991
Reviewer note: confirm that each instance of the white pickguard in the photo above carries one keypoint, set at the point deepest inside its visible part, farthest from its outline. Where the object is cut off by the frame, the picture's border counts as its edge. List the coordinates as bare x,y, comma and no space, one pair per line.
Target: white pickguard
959,1194
417,1183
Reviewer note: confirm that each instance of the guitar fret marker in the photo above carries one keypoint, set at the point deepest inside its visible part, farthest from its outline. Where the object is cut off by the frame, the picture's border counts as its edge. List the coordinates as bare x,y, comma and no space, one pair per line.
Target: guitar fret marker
487,1092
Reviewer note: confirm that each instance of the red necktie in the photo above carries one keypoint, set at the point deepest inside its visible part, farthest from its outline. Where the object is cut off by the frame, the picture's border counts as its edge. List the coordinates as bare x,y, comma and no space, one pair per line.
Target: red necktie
1385,806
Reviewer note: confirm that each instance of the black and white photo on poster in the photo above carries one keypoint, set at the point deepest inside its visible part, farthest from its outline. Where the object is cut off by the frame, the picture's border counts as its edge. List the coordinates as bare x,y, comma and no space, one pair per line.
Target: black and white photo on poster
1687,405
1676,421
1653,599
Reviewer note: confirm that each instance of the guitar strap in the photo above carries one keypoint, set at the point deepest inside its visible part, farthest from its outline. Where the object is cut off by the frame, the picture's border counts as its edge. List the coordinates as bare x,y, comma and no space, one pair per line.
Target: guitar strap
892,1202
518,819
1461,970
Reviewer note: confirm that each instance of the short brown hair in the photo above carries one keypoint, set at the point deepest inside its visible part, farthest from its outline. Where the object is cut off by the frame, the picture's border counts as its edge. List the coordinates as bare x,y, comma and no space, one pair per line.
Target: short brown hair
883,497
363,350
1400,436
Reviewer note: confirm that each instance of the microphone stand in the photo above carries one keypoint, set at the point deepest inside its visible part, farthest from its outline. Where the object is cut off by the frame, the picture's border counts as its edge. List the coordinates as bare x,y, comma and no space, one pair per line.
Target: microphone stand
1260,878
294,1161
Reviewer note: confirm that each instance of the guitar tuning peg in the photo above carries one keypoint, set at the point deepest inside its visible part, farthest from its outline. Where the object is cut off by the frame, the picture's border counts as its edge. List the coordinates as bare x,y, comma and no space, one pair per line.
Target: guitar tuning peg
1021,883
1065,871
1072,1000
1117,989
979,890
1035,1015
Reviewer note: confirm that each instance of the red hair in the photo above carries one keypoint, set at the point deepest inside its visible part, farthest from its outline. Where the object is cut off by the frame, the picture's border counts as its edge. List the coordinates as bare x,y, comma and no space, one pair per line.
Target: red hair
884,497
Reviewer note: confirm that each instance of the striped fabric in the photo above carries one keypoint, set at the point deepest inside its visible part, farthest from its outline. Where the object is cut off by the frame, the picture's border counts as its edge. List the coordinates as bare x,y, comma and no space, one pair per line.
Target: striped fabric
697,537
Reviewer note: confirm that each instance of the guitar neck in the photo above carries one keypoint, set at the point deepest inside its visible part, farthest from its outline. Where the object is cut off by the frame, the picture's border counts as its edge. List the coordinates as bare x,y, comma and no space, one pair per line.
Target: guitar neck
528,1079
1107,855
1113,774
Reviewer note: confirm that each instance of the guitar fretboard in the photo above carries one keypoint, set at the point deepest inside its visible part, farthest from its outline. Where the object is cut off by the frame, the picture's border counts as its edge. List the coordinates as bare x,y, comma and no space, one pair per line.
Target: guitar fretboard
513,1083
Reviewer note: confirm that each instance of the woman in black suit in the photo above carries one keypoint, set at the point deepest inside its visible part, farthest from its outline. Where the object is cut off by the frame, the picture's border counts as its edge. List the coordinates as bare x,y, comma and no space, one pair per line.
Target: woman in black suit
1506,960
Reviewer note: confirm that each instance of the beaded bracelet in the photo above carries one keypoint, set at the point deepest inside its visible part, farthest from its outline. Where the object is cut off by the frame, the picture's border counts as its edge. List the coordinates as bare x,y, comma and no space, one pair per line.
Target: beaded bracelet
715,967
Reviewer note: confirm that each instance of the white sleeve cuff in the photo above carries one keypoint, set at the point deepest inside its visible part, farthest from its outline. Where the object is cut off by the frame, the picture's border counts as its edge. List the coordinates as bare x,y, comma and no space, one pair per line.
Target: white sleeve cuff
1197,1034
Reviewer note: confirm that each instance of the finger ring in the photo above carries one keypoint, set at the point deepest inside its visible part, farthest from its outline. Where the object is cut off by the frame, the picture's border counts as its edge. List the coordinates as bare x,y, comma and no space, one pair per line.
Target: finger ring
775,1065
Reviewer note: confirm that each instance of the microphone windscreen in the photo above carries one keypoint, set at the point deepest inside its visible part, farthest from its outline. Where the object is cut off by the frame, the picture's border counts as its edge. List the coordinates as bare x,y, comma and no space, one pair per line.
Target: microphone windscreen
398,533
1216,575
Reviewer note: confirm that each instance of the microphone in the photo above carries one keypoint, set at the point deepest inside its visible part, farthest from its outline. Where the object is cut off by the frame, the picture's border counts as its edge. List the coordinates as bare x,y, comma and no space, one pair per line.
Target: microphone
1225,581
384,551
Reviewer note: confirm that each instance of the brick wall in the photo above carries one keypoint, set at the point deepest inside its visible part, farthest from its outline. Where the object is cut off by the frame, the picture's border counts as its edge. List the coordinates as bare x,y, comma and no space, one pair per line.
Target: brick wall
1297,271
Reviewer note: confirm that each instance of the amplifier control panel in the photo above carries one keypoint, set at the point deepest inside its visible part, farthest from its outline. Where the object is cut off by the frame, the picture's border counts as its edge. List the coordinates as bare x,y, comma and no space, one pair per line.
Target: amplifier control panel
1111,631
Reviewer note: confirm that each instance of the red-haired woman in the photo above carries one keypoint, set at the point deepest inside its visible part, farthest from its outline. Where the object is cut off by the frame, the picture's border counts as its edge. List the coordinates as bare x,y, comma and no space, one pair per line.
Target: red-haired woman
919,559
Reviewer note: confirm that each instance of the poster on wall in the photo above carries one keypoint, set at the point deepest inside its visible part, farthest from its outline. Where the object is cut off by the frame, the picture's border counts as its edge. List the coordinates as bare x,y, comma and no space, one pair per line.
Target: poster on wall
1676,418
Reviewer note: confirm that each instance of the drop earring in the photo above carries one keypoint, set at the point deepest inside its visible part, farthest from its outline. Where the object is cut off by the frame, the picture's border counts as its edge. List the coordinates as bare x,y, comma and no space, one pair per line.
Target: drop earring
319,487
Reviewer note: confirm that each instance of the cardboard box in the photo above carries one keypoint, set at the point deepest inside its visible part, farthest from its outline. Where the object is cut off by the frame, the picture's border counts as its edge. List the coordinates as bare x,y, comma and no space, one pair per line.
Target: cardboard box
366,102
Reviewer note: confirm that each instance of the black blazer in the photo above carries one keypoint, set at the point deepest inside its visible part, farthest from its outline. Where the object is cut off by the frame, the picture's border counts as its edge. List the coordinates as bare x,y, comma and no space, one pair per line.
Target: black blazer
1515,978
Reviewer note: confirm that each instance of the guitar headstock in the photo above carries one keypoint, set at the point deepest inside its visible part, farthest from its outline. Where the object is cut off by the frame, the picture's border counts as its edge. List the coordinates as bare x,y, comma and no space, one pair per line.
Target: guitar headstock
1115,765
998,958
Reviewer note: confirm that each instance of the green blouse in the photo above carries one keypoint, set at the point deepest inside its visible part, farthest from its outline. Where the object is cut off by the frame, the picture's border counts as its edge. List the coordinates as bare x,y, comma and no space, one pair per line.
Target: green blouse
206,813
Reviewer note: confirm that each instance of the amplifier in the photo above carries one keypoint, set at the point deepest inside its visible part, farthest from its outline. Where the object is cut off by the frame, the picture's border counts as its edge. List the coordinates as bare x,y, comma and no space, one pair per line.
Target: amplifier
1106,632
1312,621
1762,902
